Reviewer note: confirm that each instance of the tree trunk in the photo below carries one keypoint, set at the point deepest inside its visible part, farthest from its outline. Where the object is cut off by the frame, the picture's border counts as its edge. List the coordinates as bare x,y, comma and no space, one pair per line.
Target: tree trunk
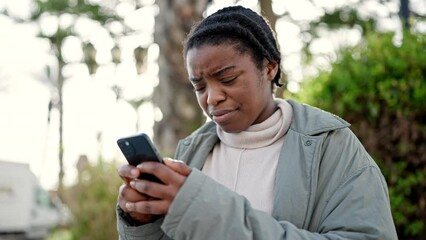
404,13
268,13
174,95
60,87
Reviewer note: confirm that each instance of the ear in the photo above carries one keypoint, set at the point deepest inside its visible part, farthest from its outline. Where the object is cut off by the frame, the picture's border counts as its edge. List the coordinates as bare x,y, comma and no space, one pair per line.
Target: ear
271,68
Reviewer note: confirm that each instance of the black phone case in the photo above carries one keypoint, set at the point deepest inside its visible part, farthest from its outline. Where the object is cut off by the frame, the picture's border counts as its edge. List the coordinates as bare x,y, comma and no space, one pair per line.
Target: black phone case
137,149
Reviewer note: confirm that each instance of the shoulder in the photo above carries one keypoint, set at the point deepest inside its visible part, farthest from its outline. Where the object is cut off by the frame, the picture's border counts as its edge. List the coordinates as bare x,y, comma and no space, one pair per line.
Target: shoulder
201,140
340,149
344,143
209,128
310,120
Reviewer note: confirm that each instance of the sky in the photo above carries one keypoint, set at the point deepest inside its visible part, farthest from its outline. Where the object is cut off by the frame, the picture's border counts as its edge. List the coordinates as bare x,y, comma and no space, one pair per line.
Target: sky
90,105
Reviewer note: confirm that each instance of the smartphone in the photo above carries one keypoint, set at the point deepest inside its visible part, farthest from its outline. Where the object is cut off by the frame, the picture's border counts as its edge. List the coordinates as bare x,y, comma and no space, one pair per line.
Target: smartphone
137,149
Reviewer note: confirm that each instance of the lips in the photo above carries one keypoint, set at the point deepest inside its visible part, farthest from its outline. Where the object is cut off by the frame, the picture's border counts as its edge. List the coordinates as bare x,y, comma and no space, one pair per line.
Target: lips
222,115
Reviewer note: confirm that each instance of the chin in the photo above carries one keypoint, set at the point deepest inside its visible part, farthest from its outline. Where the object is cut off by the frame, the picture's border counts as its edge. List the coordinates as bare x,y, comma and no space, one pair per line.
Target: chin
232,129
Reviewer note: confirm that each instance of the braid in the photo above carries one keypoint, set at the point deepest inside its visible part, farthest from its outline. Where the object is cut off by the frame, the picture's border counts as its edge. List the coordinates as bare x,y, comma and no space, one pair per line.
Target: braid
241,26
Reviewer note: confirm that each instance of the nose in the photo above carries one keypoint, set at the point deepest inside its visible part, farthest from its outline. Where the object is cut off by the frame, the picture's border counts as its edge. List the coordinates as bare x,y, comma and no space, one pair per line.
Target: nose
215,95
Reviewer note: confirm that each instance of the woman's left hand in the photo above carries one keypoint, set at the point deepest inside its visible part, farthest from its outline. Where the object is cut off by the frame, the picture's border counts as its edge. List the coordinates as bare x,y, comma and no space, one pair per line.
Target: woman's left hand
173,174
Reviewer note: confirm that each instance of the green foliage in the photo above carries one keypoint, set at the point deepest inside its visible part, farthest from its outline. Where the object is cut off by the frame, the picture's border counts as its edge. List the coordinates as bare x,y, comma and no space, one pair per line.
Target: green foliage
75,7
60,234
92,202
381,89
378,74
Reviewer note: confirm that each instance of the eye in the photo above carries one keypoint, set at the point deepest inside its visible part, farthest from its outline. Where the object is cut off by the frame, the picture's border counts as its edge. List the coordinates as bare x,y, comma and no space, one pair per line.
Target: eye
228,81
198,88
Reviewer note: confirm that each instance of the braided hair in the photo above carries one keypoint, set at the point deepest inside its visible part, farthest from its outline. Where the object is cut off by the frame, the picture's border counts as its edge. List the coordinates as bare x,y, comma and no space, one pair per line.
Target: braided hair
248,31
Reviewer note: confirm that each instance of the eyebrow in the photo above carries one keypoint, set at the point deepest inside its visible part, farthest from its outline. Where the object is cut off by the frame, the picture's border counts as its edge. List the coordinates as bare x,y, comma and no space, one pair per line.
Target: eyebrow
222,70
215,74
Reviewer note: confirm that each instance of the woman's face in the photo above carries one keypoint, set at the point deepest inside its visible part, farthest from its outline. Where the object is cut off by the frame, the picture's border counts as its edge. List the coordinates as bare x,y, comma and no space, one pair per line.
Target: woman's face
229,86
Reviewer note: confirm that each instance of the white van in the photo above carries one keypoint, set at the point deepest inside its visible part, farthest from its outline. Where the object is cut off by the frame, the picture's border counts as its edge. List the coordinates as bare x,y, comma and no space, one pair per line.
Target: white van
26,210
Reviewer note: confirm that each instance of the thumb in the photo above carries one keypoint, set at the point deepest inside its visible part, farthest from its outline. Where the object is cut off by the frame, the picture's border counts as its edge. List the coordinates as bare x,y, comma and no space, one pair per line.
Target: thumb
177,166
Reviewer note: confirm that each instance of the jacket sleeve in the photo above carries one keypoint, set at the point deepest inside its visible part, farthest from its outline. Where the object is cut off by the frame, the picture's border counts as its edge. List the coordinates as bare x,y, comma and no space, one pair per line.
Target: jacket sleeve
146,231
355,200
204,209
359,208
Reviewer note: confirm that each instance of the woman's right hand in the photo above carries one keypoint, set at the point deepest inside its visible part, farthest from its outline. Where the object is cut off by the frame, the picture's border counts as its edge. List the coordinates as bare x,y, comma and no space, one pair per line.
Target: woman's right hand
128,194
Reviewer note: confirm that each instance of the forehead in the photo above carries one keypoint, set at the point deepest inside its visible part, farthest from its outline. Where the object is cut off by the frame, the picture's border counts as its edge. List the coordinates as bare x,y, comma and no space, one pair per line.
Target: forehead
207,58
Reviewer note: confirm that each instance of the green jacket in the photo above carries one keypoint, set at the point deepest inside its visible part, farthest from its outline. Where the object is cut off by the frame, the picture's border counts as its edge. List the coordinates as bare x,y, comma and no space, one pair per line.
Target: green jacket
326,187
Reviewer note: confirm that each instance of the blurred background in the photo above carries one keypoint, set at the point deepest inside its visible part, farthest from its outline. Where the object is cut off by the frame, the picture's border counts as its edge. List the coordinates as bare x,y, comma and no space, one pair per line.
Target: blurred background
76,75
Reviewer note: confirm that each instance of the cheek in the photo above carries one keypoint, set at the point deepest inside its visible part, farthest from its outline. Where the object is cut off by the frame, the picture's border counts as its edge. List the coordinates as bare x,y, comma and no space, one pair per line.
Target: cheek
251,98
202,100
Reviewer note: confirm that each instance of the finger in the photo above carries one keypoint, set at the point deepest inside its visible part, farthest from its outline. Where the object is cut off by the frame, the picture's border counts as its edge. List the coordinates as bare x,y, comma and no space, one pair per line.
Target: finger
153,189
130,194
121,200
126,194
128,172
161,171
178,166
155,207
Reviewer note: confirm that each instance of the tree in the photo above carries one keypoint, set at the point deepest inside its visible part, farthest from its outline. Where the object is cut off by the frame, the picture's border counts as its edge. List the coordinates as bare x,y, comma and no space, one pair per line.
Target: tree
174,95
70,9
337,23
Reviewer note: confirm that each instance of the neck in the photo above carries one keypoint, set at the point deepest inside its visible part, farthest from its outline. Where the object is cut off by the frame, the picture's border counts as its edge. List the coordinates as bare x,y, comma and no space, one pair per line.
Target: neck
269,109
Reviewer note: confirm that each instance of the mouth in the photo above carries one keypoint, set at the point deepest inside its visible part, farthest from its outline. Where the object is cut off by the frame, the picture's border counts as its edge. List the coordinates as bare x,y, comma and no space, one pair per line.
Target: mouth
222,115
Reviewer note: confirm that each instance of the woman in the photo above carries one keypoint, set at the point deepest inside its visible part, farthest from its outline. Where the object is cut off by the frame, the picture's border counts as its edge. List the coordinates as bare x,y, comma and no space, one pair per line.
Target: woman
263,168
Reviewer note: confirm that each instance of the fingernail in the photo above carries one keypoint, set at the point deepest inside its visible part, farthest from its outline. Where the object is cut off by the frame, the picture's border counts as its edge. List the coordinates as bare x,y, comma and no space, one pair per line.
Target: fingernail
134,172
130,206
139,166
171,160
132,183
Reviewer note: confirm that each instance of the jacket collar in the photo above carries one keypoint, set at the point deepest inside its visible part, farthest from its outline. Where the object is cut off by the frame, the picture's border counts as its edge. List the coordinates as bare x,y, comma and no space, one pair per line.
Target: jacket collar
309,120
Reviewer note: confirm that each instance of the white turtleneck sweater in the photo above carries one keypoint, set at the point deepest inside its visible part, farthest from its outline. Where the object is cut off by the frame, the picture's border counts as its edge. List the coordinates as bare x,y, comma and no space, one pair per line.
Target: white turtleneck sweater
245,162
